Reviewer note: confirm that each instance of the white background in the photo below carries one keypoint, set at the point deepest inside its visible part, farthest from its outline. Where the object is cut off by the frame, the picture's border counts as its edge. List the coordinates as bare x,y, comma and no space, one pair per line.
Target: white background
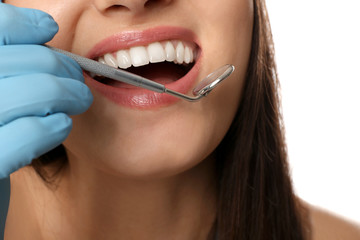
317,46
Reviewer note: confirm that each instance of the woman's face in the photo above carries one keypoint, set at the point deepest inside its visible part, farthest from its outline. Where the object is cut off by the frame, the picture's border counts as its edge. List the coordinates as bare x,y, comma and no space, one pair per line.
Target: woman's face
133,132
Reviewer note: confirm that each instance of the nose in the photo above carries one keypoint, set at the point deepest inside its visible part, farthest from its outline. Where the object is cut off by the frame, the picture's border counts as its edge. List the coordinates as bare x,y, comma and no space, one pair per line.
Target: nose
134,6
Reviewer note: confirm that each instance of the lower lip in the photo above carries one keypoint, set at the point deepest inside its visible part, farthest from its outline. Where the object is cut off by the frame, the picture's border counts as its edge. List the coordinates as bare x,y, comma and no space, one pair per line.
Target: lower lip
140,98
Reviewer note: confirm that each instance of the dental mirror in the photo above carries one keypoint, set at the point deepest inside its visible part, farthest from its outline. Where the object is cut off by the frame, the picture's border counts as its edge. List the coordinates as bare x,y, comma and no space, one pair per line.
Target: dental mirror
207,84
201,90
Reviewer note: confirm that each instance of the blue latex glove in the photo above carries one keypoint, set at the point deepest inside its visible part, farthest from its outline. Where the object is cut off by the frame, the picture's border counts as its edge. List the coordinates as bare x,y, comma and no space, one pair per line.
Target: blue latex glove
39,88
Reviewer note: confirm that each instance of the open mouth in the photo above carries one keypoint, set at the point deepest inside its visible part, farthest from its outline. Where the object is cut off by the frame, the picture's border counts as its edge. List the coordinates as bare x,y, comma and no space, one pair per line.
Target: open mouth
163,62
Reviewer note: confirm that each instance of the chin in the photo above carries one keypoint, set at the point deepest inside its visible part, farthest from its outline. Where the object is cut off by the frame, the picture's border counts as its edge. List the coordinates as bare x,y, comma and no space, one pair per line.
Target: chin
141,163
155,145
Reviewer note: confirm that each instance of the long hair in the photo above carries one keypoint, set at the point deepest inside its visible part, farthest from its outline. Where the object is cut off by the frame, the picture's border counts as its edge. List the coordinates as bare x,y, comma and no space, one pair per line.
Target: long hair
256,199
255,196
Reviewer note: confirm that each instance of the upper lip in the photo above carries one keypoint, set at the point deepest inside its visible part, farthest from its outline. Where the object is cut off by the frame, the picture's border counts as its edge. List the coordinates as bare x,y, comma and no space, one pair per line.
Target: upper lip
127,39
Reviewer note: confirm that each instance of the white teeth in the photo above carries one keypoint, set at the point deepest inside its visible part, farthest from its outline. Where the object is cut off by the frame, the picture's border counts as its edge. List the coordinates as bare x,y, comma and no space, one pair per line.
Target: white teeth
153,53
170,52
110,60
180,51
139,56
123,58
191,56
187,55
101,60
156,52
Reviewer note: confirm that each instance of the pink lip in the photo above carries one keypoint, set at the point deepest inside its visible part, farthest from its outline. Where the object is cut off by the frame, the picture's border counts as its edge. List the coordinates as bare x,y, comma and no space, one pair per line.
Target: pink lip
137,97
129,39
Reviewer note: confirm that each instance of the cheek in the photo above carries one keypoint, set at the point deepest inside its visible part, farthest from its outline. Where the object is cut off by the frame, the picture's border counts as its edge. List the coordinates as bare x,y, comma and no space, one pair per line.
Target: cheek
226,14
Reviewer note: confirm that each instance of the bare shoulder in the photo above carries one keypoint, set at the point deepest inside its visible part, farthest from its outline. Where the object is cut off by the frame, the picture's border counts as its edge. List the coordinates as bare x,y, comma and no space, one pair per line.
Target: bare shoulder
328,226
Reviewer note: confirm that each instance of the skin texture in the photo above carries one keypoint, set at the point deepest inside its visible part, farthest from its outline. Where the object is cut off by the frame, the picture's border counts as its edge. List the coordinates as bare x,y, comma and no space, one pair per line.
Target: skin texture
138,174
327,226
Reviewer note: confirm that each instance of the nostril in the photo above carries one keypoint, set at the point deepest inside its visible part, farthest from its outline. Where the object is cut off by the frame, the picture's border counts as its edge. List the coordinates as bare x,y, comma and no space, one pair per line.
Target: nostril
155,3
118,8
135,6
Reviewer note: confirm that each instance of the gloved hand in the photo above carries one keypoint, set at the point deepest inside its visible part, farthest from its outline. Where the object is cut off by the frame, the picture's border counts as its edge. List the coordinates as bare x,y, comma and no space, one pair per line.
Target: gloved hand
39,88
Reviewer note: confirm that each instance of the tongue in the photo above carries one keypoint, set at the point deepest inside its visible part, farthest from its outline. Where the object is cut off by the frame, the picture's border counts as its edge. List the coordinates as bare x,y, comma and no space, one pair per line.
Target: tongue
160,72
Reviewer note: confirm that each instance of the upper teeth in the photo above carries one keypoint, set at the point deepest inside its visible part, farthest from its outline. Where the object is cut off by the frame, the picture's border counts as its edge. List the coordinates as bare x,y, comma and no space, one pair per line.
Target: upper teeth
171,51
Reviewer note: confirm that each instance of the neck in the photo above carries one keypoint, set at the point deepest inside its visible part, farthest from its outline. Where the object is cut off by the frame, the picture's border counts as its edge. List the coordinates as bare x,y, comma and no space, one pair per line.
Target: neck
95,205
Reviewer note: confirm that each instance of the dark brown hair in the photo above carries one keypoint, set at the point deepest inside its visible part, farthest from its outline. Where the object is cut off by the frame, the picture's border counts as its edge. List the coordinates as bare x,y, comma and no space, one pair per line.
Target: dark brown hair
256,199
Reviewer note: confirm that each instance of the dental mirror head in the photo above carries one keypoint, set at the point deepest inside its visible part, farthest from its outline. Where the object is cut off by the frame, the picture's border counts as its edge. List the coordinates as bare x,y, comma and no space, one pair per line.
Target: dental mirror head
212,80
207,84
